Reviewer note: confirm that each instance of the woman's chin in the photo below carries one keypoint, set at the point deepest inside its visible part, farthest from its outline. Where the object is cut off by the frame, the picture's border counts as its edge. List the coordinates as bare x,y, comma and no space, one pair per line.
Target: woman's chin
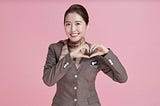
74,39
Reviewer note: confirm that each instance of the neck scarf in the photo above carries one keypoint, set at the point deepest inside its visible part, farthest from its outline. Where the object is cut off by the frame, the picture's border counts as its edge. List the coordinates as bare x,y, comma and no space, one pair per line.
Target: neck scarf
73,45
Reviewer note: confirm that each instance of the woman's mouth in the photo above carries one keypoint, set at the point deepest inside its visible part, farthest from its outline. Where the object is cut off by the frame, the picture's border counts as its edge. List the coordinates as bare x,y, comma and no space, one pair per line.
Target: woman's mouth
74,34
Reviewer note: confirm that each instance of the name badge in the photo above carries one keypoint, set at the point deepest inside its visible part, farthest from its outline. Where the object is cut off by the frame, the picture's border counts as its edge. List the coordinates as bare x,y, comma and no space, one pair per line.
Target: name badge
94,63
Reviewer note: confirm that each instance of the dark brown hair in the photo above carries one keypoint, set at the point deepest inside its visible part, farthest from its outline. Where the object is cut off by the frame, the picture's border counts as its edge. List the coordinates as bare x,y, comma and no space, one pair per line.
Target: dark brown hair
79,9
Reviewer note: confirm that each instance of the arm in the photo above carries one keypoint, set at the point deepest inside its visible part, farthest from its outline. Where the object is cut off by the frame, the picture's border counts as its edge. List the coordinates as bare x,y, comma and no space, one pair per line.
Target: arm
110,65
53,70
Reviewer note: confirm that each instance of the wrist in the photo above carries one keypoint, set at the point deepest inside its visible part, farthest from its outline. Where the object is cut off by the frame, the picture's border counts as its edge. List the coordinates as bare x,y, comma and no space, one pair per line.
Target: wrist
106,50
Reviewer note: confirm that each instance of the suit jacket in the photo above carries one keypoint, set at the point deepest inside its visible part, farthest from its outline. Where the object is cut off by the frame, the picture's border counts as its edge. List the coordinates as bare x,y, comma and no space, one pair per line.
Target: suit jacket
76,87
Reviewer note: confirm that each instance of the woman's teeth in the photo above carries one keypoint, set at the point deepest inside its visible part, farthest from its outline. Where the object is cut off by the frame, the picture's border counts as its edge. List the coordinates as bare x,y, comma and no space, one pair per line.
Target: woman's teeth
74,34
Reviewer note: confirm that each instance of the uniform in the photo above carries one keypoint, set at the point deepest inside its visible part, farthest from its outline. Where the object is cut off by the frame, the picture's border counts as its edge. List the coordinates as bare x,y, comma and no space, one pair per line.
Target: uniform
76,86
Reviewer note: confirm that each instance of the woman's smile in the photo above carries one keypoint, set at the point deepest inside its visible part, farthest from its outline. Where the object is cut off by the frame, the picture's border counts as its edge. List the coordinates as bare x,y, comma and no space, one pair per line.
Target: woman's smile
74,34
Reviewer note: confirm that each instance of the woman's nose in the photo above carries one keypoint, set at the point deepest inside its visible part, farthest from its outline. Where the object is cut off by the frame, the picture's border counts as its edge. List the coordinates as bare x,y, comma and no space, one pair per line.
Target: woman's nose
73,28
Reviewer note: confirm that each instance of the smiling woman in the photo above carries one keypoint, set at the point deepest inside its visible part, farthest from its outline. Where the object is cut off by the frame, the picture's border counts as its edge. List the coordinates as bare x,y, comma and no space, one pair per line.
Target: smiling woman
74,63
75,27
76,23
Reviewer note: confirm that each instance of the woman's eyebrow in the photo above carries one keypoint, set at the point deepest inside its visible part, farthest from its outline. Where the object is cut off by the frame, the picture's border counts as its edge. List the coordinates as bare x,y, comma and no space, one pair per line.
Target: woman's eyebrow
67,21
78,21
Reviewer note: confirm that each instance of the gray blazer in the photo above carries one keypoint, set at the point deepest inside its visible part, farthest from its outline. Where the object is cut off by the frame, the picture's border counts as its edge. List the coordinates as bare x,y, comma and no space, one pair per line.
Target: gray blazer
76,87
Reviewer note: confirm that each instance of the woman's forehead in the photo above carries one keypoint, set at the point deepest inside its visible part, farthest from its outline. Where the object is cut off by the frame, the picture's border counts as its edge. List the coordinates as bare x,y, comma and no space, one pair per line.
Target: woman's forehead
73,17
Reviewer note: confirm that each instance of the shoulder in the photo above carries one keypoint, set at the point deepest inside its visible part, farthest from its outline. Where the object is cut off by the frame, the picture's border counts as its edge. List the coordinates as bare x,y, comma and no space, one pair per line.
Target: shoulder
58,44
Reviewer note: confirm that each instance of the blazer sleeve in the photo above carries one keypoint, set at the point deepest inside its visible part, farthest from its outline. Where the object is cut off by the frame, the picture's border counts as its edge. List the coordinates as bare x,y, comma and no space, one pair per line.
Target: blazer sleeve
54,70
111,66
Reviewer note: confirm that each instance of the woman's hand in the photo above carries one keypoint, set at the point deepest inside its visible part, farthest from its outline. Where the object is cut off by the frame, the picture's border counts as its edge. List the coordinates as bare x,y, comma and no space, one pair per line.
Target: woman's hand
80,52
98,50
94,49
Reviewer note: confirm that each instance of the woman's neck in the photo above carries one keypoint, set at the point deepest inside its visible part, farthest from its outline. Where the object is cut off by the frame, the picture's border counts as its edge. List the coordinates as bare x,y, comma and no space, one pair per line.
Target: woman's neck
74,45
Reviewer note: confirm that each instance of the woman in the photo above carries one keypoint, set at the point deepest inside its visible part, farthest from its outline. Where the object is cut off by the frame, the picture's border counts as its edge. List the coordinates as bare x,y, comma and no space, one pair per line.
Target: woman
74,63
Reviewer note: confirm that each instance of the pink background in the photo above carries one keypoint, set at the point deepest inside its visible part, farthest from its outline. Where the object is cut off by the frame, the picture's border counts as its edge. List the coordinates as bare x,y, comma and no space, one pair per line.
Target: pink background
130,28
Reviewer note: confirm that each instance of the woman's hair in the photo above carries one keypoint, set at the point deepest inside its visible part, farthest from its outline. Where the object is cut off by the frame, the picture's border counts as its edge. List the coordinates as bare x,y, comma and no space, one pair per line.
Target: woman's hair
79,9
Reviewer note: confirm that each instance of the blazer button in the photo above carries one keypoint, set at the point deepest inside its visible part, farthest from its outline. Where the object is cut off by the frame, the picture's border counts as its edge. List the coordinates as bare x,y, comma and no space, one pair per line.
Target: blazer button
75,88
75,99
66,64
75,76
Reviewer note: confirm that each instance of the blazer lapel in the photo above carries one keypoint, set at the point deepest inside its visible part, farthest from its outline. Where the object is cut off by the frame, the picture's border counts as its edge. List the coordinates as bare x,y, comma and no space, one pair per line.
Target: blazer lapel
58,49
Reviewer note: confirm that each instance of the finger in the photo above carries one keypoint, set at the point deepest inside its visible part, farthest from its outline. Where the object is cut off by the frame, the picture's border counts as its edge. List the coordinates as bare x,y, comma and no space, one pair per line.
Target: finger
86,49
92,49
83,50
84,56
100,48
93,46
93,55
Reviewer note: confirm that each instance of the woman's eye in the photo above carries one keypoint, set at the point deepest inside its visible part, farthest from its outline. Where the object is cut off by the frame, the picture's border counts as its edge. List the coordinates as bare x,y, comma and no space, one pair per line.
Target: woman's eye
78,23
67,24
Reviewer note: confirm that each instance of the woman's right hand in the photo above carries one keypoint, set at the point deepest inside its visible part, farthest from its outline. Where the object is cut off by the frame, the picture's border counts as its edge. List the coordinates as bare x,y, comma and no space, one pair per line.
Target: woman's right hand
80,52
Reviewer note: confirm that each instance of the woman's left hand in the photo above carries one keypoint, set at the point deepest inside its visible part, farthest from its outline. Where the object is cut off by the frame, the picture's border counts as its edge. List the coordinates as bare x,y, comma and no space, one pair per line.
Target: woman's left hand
98,50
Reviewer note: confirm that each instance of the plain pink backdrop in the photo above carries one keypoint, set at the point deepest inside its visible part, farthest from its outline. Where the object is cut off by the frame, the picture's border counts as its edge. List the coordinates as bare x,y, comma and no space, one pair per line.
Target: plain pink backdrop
130,28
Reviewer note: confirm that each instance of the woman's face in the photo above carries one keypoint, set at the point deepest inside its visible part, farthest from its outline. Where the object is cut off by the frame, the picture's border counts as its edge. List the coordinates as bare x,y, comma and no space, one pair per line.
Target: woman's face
75,27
